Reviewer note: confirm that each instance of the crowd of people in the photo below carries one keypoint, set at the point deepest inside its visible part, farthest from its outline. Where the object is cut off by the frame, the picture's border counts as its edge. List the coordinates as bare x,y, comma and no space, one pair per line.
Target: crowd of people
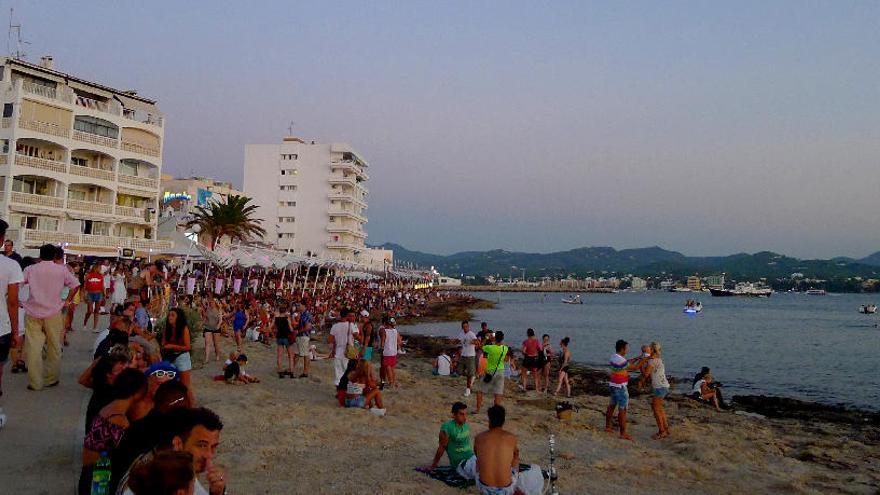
142,418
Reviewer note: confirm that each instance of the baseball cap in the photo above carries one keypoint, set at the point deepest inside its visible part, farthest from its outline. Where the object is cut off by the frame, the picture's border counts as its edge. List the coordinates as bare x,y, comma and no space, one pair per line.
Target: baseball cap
161,365
365,313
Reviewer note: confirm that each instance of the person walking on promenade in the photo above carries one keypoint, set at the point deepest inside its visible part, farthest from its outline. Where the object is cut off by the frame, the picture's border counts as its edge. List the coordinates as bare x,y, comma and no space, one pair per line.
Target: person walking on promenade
94,288
618,382
657,371
43,321
10,277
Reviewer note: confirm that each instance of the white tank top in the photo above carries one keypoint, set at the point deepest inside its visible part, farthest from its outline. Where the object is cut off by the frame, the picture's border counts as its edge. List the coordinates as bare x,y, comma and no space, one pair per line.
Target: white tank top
390,348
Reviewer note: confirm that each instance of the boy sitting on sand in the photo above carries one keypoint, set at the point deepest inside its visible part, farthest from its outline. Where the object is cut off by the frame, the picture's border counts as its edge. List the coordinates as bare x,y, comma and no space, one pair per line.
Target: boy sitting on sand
234,371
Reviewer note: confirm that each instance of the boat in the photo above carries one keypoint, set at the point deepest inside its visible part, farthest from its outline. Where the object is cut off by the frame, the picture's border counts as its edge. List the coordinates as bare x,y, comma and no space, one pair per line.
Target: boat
693,309
868,310
575,299
816,292
743,289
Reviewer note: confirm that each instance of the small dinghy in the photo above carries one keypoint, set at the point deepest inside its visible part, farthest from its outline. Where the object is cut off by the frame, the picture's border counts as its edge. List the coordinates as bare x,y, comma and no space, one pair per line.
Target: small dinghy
693,308
576,299
868,310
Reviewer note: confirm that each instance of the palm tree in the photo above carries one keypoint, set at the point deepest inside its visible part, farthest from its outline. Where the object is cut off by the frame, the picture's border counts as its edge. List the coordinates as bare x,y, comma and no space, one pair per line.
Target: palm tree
232,218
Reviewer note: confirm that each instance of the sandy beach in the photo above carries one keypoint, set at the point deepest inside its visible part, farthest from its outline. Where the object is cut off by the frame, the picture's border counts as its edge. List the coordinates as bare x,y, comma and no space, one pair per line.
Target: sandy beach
289,436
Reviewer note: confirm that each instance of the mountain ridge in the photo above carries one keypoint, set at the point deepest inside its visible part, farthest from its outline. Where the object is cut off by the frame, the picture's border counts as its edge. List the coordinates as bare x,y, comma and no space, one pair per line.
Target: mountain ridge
648,261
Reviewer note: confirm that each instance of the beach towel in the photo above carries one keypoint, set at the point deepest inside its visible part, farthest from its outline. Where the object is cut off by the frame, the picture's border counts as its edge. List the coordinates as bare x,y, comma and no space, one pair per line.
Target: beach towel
450,476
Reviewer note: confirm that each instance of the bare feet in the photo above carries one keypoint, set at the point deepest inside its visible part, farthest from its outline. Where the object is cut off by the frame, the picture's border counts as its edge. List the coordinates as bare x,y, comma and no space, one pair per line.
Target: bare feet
609,429
625,436
657,436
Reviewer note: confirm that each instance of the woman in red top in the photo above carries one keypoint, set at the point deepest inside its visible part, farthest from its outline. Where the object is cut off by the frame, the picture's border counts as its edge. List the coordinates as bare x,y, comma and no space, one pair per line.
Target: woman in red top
94,295
531,347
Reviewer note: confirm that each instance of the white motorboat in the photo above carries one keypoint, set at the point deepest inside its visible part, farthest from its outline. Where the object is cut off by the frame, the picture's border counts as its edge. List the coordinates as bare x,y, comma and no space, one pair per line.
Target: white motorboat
692,309
868,309
575,299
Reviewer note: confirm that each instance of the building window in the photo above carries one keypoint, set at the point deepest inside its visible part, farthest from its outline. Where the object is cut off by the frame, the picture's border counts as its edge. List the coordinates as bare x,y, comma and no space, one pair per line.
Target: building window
96,126
7,110
81,162
289,156
288,188
286,219
287,203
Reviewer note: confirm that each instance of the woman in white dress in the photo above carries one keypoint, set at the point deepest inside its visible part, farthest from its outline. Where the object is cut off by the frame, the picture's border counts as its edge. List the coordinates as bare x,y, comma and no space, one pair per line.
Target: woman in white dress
119,292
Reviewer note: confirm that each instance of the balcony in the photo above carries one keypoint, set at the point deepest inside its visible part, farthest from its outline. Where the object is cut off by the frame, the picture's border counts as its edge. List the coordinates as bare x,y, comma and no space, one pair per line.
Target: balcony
51,129
146,182
341,180
101,241
343,245
109,107
6,122
40,163
130,212
347,214
90,207
156,120
92,173
139,148
50,237
4,159
61,93
95,139
37,200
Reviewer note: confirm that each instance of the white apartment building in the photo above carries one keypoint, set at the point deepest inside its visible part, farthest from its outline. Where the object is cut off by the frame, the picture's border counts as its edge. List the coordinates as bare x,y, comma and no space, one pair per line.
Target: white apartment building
80,162
311,197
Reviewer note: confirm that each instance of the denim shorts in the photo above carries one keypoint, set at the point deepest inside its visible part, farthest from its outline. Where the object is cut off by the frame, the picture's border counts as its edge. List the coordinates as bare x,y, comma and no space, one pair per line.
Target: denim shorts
183,362
661,392
356,402
282,342
619,397
94,296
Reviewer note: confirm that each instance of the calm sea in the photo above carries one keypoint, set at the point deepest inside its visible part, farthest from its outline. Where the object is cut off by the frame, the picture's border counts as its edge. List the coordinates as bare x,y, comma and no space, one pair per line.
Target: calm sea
815,348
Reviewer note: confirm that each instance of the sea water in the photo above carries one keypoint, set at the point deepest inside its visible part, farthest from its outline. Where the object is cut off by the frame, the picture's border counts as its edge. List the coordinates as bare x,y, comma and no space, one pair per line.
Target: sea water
816,348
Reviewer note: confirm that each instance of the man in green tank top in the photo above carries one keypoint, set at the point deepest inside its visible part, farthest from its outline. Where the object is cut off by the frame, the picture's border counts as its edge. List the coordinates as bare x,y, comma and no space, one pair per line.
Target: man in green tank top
455,438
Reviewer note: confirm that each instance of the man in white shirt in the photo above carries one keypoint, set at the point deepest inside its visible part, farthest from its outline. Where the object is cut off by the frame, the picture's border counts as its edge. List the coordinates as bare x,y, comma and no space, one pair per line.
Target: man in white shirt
468,363
341,334
10,277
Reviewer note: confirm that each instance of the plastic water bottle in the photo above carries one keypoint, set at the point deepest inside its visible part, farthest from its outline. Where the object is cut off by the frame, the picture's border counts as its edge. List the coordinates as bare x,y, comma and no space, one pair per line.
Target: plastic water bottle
101,476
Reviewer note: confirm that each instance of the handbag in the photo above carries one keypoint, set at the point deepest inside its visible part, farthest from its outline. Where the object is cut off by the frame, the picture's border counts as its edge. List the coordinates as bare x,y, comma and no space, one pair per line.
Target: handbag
487,378
351,350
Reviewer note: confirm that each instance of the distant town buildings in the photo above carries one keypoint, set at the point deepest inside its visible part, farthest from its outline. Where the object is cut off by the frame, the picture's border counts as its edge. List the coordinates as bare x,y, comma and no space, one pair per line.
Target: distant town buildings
715,281
312,198
693,283
80,163
638,284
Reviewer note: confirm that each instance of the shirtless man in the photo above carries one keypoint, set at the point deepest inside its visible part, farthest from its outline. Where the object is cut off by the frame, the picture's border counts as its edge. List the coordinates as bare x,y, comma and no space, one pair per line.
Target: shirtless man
497,456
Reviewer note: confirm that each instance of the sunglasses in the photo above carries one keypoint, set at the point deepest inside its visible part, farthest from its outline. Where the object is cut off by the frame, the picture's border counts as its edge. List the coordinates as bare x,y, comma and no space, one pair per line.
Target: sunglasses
163,374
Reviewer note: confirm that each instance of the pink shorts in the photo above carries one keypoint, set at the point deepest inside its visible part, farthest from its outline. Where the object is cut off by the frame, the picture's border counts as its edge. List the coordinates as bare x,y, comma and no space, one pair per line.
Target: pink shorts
390,361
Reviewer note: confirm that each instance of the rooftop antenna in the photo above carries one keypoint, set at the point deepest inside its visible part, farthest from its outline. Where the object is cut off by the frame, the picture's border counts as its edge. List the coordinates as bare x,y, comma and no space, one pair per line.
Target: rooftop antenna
290,129
14,36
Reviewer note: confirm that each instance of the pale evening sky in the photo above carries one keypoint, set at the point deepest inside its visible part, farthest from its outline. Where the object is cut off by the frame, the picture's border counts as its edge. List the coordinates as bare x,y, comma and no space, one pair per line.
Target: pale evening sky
701,127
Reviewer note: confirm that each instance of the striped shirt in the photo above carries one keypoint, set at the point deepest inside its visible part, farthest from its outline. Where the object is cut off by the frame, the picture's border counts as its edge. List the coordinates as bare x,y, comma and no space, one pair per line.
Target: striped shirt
619,373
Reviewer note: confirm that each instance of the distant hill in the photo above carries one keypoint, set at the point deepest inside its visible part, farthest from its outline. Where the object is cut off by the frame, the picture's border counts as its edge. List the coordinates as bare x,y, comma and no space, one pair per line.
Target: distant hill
873,260
650,261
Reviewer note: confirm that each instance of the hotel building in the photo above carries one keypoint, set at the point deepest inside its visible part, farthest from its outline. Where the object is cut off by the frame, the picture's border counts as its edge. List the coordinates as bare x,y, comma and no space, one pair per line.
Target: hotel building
311,197
80,162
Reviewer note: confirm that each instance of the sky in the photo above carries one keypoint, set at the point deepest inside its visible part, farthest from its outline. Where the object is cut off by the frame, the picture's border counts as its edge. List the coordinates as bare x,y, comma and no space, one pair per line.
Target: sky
704,127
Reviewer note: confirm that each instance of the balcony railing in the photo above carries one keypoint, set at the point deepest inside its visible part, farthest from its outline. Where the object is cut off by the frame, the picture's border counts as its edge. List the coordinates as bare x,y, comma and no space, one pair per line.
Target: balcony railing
53,237
338,179
6,122
139,148
36,237
94,173
4,159
156,120
138,181
88,137
128,211
90,206
46,92
40,163
37,200
51,129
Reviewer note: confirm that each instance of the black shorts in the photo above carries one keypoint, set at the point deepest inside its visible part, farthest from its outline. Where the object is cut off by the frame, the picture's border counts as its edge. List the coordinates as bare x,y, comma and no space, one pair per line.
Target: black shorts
5,345
531,363
209,330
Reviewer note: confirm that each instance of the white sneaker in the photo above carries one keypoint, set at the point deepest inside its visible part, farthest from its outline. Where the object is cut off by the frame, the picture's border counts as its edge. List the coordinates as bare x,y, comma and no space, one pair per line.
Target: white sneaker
377,411
467,392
